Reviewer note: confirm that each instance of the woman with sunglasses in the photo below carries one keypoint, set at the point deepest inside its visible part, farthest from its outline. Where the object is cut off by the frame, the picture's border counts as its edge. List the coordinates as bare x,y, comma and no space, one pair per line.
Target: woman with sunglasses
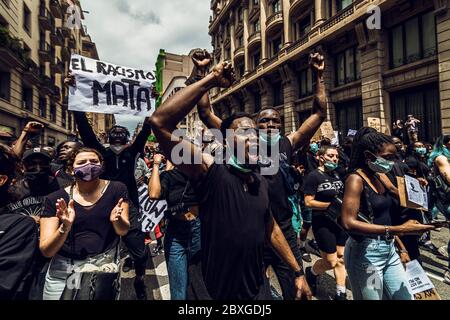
373,265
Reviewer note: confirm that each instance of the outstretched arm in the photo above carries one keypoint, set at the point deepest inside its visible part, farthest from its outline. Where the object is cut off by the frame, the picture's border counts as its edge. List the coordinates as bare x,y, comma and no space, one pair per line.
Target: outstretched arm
206,113
173,110
303,135
31,129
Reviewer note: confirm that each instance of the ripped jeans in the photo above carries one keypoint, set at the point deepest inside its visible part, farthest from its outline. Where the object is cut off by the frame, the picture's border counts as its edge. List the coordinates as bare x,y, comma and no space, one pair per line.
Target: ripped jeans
375,270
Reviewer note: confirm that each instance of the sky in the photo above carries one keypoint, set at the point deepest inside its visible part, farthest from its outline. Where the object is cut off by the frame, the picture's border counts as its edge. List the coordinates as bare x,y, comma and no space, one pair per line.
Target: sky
130,33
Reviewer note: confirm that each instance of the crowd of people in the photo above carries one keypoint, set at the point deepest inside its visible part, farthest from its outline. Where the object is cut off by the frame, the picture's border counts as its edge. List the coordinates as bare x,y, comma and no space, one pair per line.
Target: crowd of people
69,215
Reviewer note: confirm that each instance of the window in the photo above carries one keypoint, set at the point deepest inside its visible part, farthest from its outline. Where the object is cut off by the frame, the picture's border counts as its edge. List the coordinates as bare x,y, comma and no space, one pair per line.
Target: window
241,70
240,15
349,115
256,59
423,103
5,85
256,26
342,4
255,3
240,42
348,67
52,112
276,6
27,98
69,121
227,53
276,46
278,98
302,27
26,19
257,99
305,83
63,118
413,40
43,107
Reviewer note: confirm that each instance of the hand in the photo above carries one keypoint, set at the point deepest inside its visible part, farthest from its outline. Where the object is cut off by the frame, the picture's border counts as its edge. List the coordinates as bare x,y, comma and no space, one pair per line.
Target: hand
157,159
69,80
65,214
224,75
303,290
202,60
33,128
317,63
413,227
404,258
423,182
116,213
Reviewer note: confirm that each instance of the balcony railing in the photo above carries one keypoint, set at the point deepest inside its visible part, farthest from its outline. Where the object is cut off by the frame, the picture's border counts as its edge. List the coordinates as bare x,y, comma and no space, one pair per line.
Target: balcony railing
255,35
56,9
239,52
347,12
45,18
11,49
274,17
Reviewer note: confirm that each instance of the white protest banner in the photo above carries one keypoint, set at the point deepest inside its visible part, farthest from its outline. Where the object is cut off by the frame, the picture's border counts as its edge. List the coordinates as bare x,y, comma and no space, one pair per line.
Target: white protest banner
152,211
102,87
418,282
415,192
351,132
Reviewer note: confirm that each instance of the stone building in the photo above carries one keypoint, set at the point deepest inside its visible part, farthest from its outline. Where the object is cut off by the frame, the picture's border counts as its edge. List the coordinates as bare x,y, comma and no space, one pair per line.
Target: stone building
385,59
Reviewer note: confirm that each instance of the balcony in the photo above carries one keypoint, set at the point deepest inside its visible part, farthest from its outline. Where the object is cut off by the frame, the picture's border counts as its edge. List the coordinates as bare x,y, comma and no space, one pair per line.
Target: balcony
56,37
31,72
47,86
58,66
65,31
72,42
56,9
66,54
254,40
44,52
45,20
274,23
297,4
11,50
340,16
239,53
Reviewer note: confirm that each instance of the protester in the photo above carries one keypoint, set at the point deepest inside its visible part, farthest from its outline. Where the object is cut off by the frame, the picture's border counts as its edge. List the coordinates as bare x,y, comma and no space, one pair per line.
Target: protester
182,236
321,187
400,154
368,204
82,223
412,126
119,162
399,130
234,205
64,152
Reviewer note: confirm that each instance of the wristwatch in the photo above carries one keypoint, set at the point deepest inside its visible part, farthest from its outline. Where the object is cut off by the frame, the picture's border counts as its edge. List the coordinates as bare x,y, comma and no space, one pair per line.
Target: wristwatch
299,273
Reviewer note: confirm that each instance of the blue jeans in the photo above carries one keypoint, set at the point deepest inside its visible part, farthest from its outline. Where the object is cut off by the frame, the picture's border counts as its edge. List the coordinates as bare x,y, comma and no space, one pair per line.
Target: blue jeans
374,268
181,242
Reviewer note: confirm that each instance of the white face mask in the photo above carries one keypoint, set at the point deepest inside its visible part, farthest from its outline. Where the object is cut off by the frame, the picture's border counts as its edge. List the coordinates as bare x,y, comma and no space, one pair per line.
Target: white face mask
117,148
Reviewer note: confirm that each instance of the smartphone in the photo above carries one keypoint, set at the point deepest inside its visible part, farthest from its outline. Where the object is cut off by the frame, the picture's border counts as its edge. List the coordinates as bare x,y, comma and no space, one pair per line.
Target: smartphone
439,223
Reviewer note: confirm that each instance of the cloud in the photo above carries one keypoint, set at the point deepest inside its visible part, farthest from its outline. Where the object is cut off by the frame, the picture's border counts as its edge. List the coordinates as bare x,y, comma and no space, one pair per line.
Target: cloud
130,33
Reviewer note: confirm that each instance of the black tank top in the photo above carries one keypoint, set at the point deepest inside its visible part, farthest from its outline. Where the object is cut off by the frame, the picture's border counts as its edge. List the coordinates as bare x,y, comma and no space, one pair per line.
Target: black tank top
381,205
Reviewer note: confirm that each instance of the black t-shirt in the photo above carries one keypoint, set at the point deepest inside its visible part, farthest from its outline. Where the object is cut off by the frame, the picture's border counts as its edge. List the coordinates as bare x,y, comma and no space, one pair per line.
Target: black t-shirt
323,185
92,230
30,202
173,184
233,232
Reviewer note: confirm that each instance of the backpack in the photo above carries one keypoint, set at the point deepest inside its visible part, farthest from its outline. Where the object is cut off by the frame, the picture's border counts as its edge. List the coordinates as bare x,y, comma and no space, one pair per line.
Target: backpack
18,255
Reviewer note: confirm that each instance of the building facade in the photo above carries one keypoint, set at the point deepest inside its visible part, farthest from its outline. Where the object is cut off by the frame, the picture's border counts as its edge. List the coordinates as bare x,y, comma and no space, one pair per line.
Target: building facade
172,71
401,67
35,50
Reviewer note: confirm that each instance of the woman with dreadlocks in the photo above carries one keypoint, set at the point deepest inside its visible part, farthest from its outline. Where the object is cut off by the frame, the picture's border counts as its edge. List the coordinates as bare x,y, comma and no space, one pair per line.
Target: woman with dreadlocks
372,262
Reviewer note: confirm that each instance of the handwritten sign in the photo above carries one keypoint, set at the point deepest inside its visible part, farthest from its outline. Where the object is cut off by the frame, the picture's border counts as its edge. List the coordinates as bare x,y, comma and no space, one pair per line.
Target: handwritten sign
103,87
416,193
152,211
374,123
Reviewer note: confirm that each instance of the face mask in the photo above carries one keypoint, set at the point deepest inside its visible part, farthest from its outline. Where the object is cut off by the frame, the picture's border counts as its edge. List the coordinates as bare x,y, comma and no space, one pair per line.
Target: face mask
421,151
381,165
314,147
39,178
88,172
117,148
118,135
330,166
269,140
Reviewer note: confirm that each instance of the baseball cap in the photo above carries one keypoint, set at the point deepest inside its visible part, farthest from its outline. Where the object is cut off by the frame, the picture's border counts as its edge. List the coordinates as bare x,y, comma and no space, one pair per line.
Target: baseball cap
36,152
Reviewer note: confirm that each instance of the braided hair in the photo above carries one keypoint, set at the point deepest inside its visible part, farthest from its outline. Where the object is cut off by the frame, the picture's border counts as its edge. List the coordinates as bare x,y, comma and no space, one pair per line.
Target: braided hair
366,139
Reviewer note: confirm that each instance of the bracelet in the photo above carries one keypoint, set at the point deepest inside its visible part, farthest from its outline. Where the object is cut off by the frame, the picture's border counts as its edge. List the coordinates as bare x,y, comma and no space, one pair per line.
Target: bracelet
61,229
387,233
299,273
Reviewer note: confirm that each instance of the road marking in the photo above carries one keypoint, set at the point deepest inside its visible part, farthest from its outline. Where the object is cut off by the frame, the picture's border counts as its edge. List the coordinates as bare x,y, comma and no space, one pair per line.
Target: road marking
435,277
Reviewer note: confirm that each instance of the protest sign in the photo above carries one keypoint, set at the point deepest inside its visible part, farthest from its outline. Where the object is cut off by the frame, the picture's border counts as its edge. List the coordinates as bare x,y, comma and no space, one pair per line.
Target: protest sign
351,133
335,140
327,130
152,211
411,193
419,284
374,123
102,87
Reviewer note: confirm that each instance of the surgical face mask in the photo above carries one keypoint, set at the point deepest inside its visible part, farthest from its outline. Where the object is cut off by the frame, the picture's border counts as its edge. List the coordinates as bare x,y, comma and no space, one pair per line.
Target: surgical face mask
88,172
117,148
422,151
314,147
330,166
381,165
269,140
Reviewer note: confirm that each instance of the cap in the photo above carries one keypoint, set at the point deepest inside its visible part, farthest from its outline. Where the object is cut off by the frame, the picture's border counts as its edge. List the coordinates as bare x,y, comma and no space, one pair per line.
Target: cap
36,151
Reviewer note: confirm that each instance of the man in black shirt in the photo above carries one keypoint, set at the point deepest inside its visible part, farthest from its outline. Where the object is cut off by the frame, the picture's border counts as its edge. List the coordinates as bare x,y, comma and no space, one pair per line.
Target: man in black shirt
64,152
234,207
119,165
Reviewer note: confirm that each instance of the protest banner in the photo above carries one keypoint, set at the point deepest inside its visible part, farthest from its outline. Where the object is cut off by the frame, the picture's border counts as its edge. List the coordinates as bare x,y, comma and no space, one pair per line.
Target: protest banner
374,123
411,193
102,87
152,211
419,284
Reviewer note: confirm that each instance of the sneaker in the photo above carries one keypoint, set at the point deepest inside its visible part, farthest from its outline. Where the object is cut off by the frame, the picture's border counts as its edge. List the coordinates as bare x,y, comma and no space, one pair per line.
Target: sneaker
311,279
312,247
128,264
305,255
140,288
443,251
340,296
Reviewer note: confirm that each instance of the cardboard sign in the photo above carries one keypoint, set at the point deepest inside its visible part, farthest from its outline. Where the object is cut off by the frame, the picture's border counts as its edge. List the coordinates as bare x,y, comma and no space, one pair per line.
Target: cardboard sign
152,211
374,123
419,284
102,87
415,192
405,200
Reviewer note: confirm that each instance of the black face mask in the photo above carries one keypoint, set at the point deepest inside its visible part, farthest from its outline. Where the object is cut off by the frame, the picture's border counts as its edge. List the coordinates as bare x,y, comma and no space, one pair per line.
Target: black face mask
38,178
118,136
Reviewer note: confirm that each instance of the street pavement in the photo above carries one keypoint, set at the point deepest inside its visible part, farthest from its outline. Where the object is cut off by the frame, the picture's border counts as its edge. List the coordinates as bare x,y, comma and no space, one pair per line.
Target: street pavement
158,283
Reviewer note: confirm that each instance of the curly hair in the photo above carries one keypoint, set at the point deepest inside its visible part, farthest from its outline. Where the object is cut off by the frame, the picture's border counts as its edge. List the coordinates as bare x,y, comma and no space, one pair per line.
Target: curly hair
71,161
